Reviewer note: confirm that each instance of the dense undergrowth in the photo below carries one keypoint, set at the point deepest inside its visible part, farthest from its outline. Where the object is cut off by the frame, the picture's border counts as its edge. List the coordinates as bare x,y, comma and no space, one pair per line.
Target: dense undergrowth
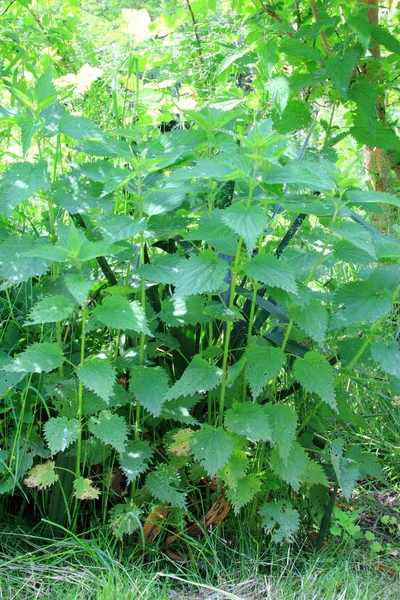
199,279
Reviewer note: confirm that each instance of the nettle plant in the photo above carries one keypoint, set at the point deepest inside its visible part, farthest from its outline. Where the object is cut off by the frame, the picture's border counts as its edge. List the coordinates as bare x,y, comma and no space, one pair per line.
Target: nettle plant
186,310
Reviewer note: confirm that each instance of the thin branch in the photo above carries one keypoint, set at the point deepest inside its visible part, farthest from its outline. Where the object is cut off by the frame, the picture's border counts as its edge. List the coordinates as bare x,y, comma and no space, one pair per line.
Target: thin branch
271,13
323,36
196,29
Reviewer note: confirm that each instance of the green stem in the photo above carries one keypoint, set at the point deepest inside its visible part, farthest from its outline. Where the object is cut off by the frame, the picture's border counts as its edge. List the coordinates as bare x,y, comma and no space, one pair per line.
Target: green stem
228,332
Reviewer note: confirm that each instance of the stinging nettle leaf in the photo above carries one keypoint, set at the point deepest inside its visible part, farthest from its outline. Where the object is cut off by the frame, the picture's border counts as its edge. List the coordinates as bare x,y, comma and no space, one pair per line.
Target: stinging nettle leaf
245,490
116,228
78,287
199,376
247,221
312,318
37,358
16,266
85,490
388,357
150,385
20,182
135,459
179,311
164,485
201,274
60,433
212,448
316,376
99,376
283,419
119,313
50,310
251,420
271,271
110,428
366,196
262,365
279,88
280,519
360,301
293,469
339,69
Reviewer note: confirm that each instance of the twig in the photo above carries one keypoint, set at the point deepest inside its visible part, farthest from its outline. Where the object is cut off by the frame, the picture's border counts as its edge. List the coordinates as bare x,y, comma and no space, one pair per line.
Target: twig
195,28
271,13
323,36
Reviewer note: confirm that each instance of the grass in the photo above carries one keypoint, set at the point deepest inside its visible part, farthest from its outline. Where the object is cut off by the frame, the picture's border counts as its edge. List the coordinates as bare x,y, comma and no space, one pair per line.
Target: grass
90,569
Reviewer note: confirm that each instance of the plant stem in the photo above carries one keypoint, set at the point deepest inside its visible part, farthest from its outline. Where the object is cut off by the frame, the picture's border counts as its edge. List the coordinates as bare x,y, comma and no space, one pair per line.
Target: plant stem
228,332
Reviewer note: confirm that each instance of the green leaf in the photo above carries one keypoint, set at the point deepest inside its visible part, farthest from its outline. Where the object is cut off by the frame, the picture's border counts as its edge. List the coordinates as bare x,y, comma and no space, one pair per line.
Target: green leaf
79,128
357,235
279,89
60,433
150,385
250,420
312,318
234,469
388,357
162,269
347,471
280,519
201,274
124,519
360,301
296,116
361,27
365,197
296,48
271,271
247,221
178,409
20,182
78,286
212,229
15,266
385,38
367,463
339,68
220,312
292,470
212,448
116,228
85,490
164,484
98,376
283,419
262,365
314,475
179,311
135,459
38,358
316,376
119,313
312,176
246,489
110,429
42,476
199,376
8,380
50,310
349,253
162,201
45,92
78,196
